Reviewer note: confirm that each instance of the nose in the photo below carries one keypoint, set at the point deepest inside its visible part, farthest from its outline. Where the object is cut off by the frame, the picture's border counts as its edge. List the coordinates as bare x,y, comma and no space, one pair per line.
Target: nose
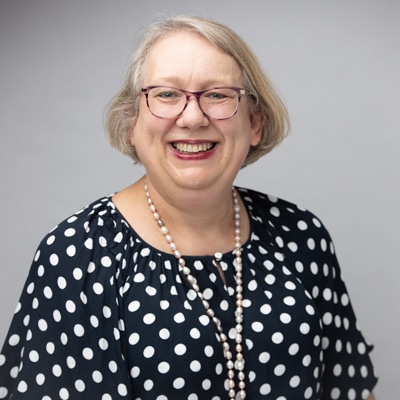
192,116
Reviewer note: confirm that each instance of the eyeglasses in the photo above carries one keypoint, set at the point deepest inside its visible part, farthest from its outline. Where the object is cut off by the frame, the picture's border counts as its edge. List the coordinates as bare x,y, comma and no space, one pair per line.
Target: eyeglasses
215,103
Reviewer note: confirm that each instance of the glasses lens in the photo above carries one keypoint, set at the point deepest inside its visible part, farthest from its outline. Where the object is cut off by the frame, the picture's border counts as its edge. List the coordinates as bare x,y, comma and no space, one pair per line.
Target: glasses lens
220,103
166,102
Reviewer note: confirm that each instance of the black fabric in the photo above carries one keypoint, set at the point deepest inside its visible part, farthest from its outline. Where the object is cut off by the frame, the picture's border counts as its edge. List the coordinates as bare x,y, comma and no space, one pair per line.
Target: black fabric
104,315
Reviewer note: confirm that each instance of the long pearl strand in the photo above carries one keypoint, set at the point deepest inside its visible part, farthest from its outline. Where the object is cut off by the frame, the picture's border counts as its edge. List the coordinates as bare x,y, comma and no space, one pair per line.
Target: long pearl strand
238,365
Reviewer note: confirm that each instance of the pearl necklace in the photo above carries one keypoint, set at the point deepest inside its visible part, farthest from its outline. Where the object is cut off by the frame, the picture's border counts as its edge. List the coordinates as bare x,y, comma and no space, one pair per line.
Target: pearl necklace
230,364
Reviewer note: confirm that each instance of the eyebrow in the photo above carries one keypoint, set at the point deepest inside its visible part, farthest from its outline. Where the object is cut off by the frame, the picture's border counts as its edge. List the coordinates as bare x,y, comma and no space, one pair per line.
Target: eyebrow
177,82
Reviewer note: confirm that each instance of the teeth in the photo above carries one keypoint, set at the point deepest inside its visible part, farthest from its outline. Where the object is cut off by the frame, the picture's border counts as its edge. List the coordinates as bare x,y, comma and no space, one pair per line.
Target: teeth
193,148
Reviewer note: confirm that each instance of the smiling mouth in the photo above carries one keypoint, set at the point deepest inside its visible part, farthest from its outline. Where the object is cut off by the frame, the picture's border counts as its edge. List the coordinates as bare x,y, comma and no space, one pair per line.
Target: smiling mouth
193,148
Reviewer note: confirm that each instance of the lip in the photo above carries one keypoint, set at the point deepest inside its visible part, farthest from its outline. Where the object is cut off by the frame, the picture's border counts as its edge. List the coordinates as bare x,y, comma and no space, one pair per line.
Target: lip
208,149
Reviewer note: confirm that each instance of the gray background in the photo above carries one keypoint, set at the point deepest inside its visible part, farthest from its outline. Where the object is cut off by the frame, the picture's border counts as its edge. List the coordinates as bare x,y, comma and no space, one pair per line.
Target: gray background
337,64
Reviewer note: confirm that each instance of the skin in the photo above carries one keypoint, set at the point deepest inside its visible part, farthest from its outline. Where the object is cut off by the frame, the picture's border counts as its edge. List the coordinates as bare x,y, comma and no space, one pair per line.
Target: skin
192,192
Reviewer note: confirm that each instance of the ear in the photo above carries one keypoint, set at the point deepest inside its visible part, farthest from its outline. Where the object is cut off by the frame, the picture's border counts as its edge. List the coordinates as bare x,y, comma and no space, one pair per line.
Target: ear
256,127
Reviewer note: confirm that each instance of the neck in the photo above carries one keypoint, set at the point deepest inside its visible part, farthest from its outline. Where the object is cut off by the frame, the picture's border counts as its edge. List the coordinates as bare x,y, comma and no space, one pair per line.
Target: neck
196,207
201,222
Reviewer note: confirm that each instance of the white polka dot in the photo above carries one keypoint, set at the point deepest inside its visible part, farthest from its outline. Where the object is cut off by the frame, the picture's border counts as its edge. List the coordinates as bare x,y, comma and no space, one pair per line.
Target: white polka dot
70,306
270,279
279,370
264,357
103,344
54,260
293,349
314,268
106,261
265,389
302,225
102,241
107,312
148,385
265,309
22,387
34,356
327,294
327,318
42,324
50,347
77,273
180,349
71,363
179,318
306,360
13,340
97,376
351,371
40,271
304,328
80,385
148,352
149,319
47,292
344,300
98,288
285,318
206,384
163,367
79,330
122,390
50,240
94,321
294,381
293,247
57,370
69,232
134,306
337,370
178,383
87,353
277,338
257,326
208,351
133,338
289,301
40,379
151,291
14,372
335,393
71,250
308,393
195,366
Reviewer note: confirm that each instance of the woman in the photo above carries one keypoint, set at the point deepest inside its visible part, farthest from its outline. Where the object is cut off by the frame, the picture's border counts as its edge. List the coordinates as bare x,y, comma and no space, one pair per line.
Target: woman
182,286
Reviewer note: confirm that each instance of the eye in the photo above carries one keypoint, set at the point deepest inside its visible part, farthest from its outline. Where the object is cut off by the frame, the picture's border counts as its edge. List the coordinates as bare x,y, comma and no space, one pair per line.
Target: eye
216,95
220,95
166,93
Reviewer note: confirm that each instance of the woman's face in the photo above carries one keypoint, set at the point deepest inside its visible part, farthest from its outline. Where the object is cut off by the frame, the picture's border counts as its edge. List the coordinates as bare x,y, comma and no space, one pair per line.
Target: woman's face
189,62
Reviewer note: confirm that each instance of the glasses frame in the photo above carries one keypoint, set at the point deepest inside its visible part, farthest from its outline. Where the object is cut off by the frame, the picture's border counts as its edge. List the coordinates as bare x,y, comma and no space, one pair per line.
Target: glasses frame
240,92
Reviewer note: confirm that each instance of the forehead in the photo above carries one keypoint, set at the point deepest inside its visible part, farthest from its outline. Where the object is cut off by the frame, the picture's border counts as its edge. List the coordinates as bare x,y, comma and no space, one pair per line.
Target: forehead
188,58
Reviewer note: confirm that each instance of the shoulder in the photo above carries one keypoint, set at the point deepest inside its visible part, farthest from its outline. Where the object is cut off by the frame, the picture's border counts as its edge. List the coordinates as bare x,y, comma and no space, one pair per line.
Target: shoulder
96,228
281,214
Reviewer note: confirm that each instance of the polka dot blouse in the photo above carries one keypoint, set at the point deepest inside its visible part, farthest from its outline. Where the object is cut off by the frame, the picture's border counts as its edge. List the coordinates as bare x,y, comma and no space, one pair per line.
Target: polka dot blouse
104,315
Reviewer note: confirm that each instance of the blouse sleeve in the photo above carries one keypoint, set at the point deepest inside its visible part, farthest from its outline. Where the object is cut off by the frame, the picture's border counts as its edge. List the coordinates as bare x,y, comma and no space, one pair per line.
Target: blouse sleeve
348,370
64,340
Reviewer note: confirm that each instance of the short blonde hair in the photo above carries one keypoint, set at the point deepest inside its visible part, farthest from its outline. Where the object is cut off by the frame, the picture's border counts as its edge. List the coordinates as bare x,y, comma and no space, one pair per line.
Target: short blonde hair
124,107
